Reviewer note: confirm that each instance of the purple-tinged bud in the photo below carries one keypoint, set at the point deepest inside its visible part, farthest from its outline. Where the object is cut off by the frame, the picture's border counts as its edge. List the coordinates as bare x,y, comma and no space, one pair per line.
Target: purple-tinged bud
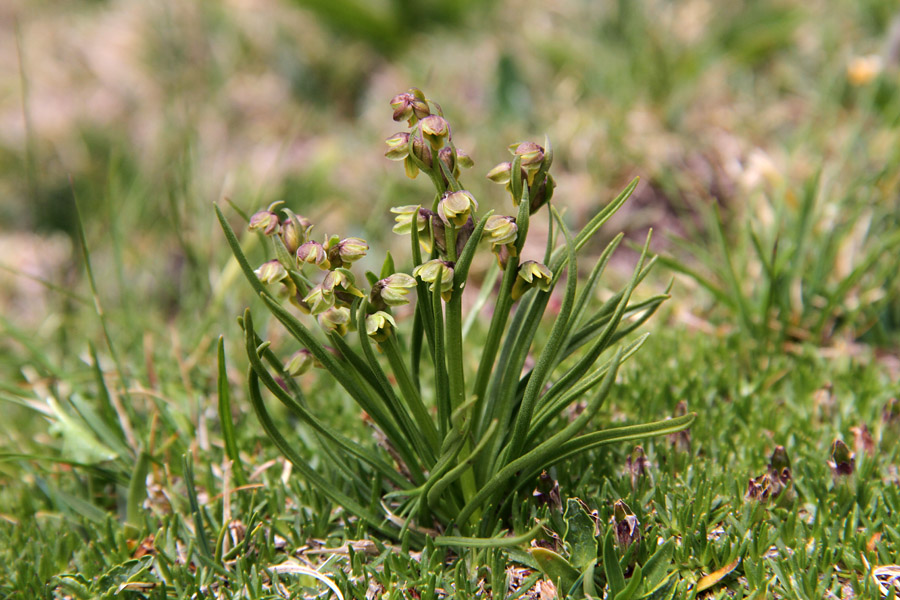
294,231
379,326
456,207
448,157
428,272
636,465
531,274
335,320
842,461
313,253
264,221
271,272
628,528
435,129
398,146
779,460
500,173
299,363
540,193
422,151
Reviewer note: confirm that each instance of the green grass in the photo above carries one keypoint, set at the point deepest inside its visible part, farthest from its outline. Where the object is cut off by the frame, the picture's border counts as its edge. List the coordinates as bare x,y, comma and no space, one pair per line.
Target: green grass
114,471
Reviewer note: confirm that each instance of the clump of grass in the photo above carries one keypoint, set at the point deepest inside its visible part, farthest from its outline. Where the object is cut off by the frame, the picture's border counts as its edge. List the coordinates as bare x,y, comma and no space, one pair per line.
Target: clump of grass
456,443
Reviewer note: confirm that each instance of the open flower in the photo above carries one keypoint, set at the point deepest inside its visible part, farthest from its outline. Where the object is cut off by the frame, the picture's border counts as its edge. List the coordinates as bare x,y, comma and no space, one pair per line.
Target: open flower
404,220
392,290
398,146
456,207
319,299
335,320
531,274
379,325
342,284
429,273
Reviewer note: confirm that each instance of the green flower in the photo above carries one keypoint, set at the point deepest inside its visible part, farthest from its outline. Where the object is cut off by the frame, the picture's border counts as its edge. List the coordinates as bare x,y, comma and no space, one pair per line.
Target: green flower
319,299
398,146
404,219
379,325
392,290
335,320
501,230
456,207
342,284
500,173
531,274
428,272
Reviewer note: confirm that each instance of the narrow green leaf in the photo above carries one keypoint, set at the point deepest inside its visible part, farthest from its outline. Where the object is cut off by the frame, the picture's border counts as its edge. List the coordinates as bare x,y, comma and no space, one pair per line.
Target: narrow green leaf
614,575
224,405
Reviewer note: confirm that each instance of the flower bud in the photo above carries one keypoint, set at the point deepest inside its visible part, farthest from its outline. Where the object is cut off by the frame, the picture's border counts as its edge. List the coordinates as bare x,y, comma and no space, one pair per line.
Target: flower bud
422,151
335,320
448,157
299,363
842,462
428,272
313,253
628,528
271,272
531,274
264,221
392,290
435,129
540,193
379,325
500,173
294,231
456,207
398,146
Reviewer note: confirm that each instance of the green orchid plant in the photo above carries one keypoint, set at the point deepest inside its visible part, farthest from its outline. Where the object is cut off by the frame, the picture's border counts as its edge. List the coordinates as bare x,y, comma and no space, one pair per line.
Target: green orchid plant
463,422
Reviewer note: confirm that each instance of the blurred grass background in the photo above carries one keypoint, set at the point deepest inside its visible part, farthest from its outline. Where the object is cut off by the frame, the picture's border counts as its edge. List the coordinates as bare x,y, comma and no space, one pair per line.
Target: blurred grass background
149,112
